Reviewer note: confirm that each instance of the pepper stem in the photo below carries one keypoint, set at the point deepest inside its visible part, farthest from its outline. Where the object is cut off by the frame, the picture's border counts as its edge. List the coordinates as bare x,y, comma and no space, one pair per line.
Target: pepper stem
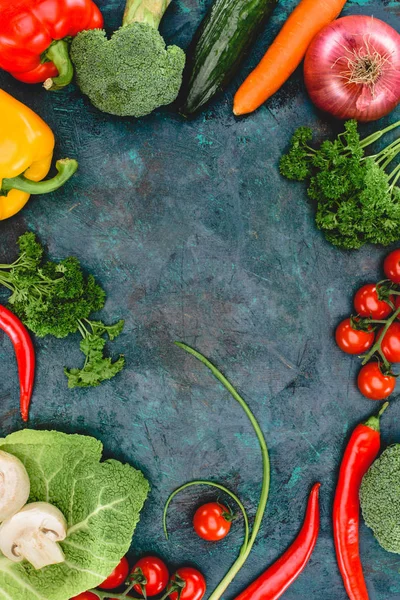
145,11
66,167
58,53
374,421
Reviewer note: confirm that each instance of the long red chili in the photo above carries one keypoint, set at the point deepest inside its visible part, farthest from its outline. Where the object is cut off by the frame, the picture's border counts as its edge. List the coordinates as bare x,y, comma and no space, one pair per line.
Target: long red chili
361,451
25,354
279,576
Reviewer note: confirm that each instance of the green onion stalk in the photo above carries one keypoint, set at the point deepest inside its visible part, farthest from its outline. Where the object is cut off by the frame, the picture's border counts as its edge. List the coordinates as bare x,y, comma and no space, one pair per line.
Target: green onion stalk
249,539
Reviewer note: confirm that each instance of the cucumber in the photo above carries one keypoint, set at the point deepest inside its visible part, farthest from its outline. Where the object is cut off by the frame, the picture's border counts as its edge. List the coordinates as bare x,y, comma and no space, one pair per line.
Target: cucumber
220,44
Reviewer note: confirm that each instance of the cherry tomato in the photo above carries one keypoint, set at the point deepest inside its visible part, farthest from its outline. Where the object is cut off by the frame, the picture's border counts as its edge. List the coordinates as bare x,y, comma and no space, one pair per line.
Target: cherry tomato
117,577
397,305
155,572
390,344
353,341
85,596
391,266
367,303
195,587
373,384
212,521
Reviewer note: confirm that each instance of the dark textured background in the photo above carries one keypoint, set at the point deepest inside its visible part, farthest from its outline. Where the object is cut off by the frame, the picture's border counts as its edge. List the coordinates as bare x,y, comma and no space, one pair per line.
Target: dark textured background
194,235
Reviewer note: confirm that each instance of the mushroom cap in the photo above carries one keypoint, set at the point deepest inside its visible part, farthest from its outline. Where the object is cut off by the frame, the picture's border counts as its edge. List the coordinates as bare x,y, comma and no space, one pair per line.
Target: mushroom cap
14,485
32,534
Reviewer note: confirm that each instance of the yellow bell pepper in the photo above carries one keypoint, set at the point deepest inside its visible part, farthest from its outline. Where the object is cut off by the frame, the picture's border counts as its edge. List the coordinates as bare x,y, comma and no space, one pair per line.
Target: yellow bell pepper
26,151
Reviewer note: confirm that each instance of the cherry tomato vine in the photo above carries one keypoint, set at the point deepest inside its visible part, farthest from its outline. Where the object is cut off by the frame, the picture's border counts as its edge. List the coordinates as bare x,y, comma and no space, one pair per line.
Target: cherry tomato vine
374,332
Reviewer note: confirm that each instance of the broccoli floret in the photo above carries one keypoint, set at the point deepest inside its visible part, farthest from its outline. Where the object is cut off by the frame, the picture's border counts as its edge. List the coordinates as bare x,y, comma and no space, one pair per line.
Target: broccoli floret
131,74
380,499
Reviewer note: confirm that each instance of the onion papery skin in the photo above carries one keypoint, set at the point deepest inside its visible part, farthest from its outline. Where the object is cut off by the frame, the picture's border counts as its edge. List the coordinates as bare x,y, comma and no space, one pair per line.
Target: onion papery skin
327,64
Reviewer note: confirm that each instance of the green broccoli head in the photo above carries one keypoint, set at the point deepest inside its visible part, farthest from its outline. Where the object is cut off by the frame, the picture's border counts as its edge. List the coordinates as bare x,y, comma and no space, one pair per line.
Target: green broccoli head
380,499
131,74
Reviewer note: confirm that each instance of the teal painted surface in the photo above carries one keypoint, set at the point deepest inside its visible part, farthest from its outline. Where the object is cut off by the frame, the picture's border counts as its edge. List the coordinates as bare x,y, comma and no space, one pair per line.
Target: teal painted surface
194,235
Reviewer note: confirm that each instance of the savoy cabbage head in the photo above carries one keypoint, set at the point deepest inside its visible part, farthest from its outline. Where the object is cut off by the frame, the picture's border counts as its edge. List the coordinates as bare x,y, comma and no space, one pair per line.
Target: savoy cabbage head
101,502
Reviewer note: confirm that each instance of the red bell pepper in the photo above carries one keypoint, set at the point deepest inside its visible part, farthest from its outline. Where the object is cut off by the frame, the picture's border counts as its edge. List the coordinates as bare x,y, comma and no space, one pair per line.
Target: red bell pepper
34,37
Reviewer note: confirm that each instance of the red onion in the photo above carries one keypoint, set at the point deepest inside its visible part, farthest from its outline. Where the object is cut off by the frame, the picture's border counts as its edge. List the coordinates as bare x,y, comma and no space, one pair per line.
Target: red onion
352,68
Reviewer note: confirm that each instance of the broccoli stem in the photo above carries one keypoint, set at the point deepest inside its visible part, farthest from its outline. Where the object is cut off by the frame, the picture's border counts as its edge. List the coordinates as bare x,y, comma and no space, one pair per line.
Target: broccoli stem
66,167
145,11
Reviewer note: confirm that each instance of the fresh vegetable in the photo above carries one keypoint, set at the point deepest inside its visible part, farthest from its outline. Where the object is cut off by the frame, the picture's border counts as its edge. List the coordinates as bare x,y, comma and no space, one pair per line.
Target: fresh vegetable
219,46
25,354
380,499
57,299
14,485
368,303
373,384
285,53
351,340
133,73
390,343
35,34
150,576
279,576
86,596
360,453
26,152
391,266
212,521
352,66
249,541
101,502
357,201
187,584
117,577
33,534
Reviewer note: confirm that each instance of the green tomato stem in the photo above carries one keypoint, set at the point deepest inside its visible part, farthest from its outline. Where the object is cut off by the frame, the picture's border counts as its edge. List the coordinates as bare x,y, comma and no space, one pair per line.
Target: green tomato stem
238,564
218,486
66,167
377,346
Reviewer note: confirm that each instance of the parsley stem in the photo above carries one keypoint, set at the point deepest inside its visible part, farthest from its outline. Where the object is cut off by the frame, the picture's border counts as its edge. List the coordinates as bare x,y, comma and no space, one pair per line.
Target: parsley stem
377,135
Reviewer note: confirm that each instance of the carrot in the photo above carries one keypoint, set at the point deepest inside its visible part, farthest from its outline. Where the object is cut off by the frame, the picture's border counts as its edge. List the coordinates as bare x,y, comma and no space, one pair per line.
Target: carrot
285,53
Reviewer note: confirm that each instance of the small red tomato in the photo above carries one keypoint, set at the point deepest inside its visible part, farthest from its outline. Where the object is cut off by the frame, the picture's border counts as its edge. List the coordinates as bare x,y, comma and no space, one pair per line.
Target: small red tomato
373,384
117,577
85,596
155,572
194,584
212,521
367,303
391,266
353,341
397,305
390,344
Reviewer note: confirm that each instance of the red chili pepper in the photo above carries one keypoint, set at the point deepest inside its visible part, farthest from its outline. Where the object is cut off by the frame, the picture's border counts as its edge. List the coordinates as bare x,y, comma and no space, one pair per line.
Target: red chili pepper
33,46
361,451
279,576
25,354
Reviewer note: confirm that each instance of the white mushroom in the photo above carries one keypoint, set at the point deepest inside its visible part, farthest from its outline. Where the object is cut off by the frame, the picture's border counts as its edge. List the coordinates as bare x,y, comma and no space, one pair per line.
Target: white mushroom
32,534
14,485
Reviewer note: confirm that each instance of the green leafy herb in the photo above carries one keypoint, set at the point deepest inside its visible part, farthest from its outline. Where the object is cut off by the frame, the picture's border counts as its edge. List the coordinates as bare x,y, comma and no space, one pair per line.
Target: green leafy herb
56,298
101,502
357,200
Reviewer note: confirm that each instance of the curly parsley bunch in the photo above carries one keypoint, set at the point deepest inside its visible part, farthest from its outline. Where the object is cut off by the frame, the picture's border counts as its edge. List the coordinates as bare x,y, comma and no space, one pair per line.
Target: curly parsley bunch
357,200
56,298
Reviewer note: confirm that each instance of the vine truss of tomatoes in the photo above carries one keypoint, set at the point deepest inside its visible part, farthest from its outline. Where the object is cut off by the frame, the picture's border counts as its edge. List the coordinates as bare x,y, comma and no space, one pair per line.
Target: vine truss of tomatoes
374,333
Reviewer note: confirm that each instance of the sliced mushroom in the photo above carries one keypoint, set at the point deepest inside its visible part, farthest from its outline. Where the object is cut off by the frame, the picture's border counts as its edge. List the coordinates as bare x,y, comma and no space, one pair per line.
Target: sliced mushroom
32,534
14,485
